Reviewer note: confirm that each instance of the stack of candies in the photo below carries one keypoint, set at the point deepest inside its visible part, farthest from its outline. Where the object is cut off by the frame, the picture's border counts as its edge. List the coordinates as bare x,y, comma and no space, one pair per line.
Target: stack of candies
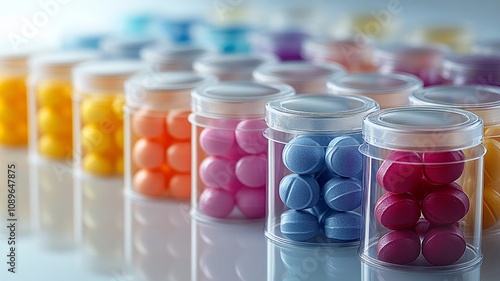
422,207
324,188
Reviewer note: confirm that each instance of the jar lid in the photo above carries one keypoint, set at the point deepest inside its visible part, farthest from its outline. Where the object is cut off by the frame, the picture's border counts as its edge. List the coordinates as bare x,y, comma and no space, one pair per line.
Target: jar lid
166,53
59,64
423,129
471,64
478,99
105,76
237,99
389,90
126,47
340,49
286,72
227,63
164,90
319,113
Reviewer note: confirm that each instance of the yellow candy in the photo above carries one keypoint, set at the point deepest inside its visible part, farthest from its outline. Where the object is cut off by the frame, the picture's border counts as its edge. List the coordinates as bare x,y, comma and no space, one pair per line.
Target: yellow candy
492,164
12,89
119,166
50,146
119,137
96,109
118,107
491,207
95,163
95,140
51,121
51,93
7,112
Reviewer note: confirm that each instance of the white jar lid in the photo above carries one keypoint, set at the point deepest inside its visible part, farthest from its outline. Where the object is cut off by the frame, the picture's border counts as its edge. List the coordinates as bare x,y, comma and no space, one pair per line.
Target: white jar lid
59,64
227,63
166,53
295,71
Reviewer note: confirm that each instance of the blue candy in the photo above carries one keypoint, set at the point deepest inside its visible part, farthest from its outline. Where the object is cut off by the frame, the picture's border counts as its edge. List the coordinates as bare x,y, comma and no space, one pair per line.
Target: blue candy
343,226
299,225
299,191
319,209
342,194
303,155
323,176
343,158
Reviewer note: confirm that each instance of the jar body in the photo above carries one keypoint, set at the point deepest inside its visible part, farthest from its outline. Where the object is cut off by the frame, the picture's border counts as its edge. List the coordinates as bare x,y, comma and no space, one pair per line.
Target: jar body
491,180
13,110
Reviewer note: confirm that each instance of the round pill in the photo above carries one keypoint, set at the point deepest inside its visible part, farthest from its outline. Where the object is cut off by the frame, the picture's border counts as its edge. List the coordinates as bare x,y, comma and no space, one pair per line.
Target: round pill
94,139
150,182
147,124
217,142
53,147
98,164
491,207
180,186
96,109
50,121
299,191
436,171
397,211
342,156
491,160
179,156
250,137
148,154
252,202
178,125
343,226
217,172
51,93
251,170
443,245
303,155
298,225
421,189
216,202
398,247
445,204
342,194
400,172
319,210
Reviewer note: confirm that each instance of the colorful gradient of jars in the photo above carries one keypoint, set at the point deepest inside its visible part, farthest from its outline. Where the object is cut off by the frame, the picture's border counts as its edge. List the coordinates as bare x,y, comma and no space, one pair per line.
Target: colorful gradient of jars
98,100
158,133
13,100
51,113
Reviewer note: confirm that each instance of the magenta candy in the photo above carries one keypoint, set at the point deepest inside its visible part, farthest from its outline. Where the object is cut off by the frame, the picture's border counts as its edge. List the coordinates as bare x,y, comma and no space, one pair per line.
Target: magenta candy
422,227
421,189
252,202
397,211
250,137
216,141
443,245
445,204
437,172
251,170
398,247
217,172
216,202
398,174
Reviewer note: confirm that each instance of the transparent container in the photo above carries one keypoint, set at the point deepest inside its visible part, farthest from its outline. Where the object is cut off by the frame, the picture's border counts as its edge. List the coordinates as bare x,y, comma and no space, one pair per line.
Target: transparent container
304,77
231,67
223,38
491,47
485,102
423,61
13,100
98,100
165,57
472,69
389,90
314,166
125,47
422,189
353,54
50,114
286,44
158,134
229,156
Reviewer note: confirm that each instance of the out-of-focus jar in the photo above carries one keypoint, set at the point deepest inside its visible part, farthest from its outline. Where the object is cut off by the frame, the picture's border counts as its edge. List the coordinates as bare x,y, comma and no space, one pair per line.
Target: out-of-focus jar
231,67
165,57
459,37
286,45
472,69
125,47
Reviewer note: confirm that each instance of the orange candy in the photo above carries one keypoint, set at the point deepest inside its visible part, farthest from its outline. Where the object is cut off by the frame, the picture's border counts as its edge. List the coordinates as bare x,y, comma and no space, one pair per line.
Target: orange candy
179,156
180,186
148,154
145,124
150,182
178,125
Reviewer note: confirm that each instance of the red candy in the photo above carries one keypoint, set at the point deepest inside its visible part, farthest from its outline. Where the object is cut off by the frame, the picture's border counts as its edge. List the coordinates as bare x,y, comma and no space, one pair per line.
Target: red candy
445,205
397,211
443,245
439,173
399,247
398,174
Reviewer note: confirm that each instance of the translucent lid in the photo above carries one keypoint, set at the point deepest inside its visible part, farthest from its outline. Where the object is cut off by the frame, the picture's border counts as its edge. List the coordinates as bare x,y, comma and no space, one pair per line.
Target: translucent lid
287,72
429,54
423,129
60,64
481,100
230,63
166,53
470,64
389,90
164,90
319,113
125,47
342,49
237,99
105,76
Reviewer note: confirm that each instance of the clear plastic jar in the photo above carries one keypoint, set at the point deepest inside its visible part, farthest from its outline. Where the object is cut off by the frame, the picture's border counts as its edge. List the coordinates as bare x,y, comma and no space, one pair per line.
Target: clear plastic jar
423,61
231,67
422,188
314,187
472,69
158,133
389,90
166,57
50,115
286,45
229,157
125,47
13,100
98,100
304,77
224,39
354,55
485,102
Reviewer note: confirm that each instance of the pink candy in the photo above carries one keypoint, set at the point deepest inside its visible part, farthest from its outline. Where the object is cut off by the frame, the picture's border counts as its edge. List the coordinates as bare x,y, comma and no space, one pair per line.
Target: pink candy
250,137
443,173
445,204
251,170
400,172
252,202
216,202
217,172
397,211
216,142
398,247
443,245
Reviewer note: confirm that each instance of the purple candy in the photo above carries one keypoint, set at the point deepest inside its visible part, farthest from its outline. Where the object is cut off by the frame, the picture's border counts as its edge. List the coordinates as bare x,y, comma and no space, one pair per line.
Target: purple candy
438,172
443,245
398,247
